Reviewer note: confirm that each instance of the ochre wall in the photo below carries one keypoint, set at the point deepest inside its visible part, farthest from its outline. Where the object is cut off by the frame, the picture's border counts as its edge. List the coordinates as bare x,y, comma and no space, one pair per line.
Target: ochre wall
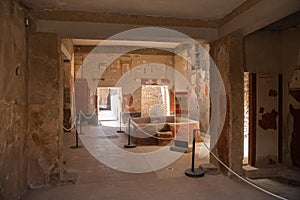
45,90
13,101
228,56
31,104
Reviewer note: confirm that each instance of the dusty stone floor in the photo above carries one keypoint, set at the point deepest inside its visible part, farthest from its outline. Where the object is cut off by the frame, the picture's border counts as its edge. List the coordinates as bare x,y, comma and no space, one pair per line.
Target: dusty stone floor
94,180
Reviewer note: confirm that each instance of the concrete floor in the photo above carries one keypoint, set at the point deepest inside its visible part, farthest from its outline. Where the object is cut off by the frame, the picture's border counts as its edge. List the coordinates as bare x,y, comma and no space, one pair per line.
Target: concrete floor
97,181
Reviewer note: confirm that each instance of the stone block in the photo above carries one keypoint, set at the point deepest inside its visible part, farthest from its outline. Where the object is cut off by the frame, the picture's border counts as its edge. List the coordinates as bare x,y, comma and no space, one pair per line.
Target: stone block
210,169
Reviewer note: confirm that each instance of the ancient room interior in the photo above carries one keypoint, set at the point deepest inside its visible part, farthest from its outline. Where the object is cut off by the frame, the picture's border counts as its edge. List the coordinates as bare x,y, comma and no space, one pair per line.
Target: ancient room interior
162,99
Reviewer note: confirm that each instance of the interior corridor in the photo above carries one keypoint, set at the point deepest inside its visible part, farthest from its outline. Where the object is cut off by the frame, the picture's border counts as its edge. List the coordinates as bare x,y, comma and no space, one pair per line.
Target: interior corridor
87,178
171,70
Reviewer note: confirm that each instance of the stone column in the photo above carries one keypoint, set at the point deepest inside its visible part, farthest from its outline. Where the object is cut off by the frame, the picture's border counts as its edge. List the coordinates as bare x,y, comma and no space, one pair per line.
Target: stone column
68,67
227,53
13,100
67,94
45,88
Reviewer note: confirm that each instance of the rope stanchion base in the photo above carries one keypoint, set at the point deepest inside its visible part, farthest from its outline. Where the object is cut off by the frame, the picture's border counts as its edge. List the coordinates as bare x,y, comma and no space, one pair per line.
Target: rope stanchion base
129,145
120,129
75,147
181,149
197,172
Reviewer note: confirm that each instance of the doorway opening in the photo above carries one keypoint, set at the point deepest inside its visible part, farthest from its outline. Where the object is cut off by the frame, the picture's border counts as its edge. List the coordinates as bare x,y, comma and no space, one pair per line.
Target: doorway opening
246,118
109,102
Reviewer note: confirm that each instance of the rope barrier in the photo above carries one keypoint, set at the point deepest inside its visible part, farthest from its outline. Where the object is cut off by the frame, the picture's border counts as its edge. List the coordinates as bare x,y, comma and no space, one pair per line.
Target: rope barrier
243,179
90,117
69,129
134,124
74,108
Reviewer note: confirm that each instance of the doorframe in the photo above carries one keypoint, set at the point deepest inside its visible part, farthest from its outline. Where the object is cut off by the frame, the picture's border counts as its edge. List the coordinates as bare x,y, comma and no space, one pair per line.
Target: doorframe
280,112
252,119
112,106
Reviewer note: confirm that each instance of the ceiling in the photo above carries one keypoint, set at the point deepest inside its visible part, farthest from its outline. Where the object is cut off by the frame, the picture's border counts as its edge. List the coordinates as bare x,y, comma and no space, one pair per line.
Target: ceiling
291,21
209,10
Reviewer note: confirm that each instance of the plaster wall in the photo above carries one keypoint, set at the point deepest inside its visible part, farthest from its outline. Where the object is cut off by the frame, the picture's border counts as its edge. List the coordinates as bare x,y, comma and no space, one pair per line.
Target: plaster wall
196,74
267,120
276,52
262,52
290,61
116,70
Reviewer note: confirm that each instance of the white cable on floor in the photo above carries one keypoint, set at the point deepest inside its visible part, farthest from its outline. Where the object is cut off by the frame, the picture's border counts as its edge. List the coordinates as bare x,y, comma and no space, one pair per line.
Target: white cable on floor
243,179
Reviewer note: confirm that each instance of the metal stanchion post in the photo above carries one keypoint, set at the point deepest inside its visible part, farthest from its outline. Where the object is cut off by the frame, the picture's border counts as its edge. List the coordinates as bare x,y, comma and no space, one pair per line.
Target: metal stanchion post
76,138
129,145
198,172
80,122
120,131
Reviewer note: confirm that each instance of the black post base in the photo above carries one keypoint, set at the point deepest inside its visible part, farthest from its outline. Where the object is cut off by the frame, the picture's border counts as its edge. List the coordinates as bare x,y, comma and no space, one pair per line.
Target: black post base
75,147
130,145
120,131
196,173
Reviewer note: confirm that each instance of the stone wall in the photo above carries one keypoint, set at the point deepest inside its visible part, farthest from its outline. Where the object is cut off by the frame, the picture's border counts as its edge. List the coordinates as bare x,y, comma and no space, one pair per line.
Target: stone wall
30,103
45,87
13,101
227,53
